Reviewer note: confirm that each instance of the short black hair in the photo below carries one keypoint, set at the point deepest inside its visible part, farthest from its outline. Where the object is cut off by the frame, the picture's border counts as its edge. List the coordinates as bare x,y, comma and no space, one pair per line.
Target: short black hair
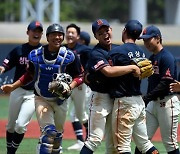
78,29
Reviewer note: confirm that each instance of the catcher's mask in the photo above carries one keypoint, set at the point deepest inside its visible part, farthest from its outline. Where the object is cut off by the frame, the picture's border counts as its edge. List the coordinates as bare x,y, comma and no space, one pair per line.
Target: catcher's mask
62,77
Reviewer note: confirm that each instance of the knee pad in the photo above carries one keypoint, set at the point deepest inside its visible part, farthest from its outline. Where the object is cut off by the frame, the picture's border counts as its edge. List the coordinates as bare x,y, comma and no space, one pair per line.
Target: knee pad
47,139
48,134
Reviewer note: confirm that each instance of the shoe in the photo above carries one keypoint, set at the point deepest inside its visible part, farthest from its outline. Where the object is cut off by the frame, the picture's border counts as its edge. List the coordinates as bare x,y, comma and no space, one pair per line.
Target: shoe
77,146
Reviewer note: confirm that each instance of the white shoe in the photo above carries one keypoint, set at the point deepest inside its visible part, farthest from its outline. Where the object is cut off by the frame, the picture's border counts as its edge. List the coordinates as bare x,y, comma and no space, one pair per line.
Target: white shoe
77,146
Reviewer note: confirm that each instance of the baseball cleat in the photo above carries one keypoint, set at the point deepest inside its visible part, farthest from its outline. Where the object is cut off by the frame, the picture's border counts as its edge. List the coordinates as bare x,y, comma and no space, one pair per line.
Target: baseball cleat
77,146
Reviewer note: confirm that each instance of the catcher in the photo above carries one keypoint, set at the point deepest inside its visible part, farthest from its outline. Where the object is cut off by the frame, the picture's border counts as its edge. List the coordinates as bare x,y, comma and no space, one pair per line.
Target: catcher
56,71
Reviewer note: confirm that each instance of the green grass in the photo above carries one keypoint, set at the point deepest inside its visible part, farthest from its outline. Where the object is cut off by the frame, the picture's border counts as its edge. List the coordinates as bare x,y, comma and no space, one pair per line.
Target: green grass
28,146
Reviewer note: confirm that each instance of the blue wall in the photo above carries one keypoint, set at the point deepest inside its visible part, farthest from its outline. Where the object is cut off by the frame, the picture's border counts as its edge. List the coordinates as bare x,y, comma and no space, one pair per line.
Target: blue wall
8,76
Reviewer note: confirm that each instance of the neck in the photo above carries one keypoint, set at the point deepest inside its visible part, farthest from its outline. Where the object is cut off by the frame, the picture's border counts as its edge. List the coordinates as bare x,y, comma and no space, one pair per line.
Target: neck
71,45
158,49
129,41
33,44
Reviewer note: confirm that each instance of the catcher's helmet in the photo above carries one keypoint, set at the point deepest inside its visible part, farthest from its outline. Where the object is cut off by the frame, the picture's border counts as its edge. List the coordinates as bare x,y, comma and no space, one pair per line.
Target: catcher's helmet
54,28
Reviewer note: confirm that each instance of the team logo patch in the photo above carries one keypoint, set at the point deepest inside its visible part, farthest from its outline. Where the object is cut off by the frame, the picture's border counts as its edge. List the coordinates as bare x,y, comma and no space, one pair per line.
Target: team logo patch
98,64
6,61
168,73
144,31
99,22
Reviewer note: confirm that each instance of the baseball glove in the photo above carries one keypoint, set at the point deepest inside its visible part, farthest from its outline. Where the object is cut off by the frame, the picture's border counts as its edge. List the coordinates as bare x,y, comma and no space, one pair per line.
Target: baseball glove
145,66
60,85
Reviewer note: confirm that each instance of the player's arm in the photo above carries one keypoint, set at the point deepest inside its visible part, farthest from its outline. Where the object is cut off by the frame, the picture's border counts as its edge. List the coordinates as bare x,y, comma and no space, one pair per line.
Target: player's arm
23,80
115,71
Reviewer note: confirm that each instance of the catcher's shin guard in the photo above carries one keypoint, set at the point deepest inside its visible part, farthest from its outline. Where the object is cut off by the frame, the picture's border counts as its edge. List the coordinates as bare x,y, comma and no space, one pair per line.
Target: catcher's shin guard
57,145
47,139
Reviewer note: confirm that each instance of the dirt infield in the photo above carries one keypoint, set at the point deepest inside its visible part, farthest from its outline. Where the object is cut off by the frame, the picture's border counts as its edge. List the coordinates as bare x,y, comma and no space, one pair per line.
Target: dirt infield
33,131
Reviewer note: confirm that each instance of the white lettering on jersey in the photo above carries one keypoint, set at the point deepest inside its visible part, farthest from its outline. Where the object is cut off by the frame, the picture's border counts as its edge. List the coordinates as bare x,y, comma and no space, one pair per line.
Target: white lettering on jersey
49,68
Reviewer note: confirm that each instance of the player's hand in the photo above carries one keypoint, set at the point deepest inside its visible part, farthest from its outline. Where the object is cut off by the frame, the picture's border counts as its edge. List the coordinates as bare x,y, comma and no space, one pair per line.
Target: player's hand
2,69
7,88
175,87
136,71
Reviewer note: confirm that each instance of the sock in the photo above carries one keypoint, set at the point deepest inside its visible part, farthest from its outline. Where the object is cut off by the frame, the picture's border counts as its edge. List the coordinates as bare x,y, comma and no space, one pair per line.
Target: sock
86,127
152,150
137,151
174,151
9,137
17,138
86,150
78,130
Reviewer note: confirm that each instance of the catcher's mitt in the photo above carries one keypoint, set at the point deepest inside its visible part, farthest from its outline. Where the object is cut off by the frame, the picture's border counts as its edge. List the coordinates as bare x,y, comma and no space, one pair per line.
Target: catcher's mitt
60,85
145,66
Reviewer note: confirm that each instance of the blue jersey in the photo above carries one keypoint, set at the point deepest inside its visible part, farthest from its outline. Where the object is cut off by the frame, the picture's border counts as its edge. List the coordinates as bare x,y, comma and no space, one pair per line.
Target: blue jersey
97,60
83,52
165,72
126,85
18,58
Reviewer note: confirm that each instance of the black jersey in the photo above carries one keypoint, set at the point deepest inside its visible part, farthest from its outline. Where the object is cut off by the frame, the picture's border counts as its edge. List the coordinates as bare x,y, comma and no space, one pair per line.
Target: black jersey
82,51
126,85
97,60
165,72
18,58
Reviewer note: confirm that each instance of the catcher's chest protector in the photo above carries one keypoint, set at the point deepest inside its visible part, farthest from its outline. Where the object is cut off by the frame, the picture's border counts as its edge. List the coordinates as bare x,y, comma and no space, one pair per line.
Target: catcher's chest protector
45,68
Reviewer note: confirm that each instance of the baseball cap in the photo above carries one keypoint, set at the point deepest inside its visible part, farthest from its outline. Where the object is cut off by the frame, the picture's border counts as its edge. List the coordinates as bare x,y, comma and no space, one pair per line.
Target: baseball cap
98,24
134,27
150,31
35,24
85,36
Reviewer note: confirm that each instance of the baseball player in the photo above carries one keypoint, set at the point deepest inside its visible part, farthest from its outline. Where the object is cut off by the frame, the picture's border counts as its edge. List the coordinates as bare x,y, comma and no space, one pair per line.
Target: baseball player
128,114
84,38
98,79
175,87
21,101
162,105
50,109
79,95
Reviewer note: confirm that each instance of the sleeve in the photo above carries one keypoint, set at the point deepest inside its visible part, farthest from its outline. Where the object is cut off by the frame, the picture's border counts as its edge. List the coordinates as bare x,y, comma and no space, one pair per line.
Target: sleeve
161,90
98,60
167,76
10,61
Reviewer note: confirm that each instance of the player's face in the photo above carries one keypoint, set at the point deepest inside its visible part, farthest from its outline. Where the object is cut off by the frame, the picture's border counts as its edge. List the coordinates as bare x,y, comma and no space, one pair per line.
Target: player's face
71,35
104,35
151,44
55,40
34,36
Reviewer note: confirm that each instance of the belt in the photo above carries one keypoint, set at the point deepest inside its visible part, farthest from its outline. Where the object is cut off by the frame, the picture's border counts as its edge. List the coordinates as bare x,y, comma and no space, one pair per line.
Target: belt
163,97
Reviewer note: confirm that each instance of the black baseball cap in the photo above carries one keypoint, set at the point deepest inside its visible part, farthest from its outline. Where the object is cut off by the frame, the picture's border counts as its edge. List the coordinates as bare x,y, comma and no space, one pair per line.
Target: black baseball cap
134,28
98,24
85,36
150,31
35,24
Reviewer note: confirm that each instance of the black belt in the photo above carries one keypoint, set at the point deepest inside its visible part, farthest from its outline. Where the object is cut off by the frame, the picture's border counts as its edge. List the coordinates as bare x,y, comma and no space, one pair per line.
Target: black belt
162,97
